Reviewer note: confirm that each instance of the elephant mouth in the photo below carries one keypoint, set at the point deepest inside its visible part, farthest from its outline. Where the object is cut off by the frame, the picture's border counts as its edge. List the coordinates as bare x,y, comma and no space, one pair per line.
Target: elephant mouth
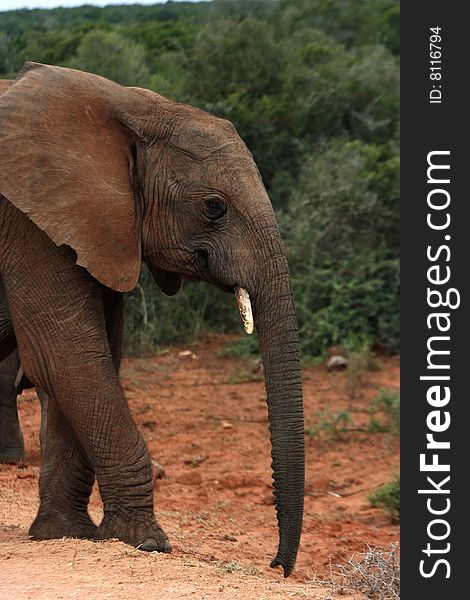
168,281
241,294
243,302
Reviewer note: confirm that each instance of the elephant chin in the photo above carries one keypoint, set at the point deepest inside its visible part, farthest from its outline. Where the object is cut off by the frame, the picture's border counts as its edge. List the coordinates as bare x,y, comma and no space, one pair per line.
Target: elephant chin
167,281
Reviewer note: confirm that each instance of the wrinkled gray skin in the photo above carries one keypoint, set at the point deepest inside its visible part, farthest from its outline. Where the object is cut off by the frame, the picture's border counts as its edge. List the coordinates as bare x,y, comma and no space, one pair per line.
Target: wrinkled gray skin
11,439
93,178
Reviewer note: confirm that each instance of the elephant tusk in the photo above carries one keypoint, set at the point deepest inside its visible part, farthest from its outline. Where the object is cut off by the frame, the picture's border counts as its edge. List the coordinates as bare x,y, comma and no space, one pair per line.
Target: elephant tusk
244,306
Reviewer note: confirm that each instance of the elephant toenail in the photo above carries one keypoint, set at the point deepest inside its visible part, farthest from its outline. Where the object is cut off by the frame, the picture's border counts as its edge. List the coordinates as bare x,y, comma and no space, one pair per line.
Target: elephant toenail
148,545
151,545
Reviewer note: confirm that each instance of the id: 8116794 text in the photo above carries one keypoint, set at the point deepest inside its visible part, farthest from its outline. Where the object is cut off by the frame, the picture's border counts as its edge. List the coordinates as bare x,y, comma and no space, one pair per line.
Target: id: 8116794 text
435,65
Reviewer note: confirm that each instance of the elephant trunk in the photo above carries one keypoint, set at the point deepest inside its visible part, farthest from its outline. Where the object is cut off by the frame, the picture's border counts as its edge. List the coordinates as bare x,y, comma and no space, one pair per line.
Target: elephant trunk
276,324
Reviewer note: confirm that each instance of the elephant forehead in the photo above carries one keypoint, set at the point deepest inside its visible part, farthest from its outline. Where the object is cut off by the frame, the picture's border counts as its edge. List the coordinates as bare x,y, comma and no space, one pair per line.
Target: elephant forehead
211,151
236,174
223,171
203,136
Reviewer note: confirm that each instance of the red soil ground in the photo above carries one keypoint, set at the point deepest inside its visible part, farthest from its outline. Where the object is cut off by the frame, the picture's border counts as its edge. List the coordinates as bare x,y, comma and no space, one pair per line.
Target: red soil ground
211,436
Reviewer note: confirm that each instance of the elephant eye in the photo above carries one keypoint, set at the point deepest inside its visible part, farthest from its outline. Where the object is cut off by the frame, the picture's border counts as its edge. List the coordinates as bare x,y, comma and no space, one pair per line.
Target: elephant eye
214,208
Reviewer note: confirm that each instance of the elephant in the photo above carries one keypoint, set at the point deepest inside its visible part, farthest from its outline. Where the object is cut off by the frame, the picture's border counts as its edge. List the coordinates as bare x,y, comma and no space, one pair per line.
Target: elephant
12,383
94,178
11,438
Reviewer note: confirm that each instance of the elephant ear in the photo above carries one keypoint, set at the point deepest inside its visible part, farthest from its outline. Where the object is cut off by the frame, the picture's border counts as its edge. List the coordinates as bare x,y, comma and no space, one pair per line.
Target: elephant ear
67,161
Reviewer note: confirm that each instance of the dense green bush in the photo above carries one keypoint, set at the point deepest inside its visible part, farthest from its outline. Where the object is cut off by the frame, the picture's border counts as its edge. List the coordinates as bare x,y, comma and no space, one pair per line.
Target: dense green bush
385,413
340,227
387,496
313,88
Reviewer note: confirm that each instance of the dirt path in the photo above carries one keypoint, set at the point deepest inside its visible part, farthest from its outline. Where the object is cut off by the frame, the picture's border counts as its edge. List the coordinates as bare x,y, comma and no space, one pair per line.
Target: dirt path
211,435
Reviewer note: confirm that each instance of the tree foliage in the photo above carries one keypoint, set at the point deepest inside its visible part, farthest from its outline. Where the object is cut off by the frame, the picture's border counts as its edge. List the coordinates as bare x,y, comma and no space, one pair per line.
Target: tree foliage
111,55
313,88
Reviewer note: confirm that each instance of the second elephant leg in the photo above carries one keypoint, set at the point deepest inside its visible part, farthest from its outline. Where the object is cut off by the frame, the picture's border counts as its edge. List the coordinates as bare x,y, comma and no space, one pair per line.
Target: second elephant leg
114,326
89,426
67,477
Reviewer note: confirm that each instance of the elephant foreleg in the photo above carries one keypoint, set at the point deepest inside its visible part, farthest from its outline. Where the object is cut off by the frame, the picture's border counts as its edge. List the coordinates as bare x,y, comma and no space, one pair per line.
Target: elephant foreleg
67,477
78,475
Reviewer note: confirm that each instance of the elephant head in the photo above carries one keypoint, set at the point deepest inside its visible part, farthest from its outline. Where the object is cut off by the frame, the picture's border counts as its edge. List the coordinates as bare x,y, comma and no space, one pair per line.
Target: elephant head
120,174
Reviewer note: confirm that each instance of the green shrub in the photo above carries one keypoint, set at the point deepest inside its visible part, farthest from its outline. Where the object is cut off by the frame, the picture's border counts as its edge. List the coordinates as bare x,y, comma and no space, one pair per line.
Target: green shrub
340,230
330,425
385,413
387,496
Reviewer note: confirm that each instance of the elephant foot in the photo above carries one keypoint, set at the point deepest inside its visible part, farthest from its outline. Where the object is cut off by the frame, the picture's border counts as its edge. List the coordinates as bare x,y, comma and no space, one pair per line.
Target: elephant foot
54,525
144,535
11,455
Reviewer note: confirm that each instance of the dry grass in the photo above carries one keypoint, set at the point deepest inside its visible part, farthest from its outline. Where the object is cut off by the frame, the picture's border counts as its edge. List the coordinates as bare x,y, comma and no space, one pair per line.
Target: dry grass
375,573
